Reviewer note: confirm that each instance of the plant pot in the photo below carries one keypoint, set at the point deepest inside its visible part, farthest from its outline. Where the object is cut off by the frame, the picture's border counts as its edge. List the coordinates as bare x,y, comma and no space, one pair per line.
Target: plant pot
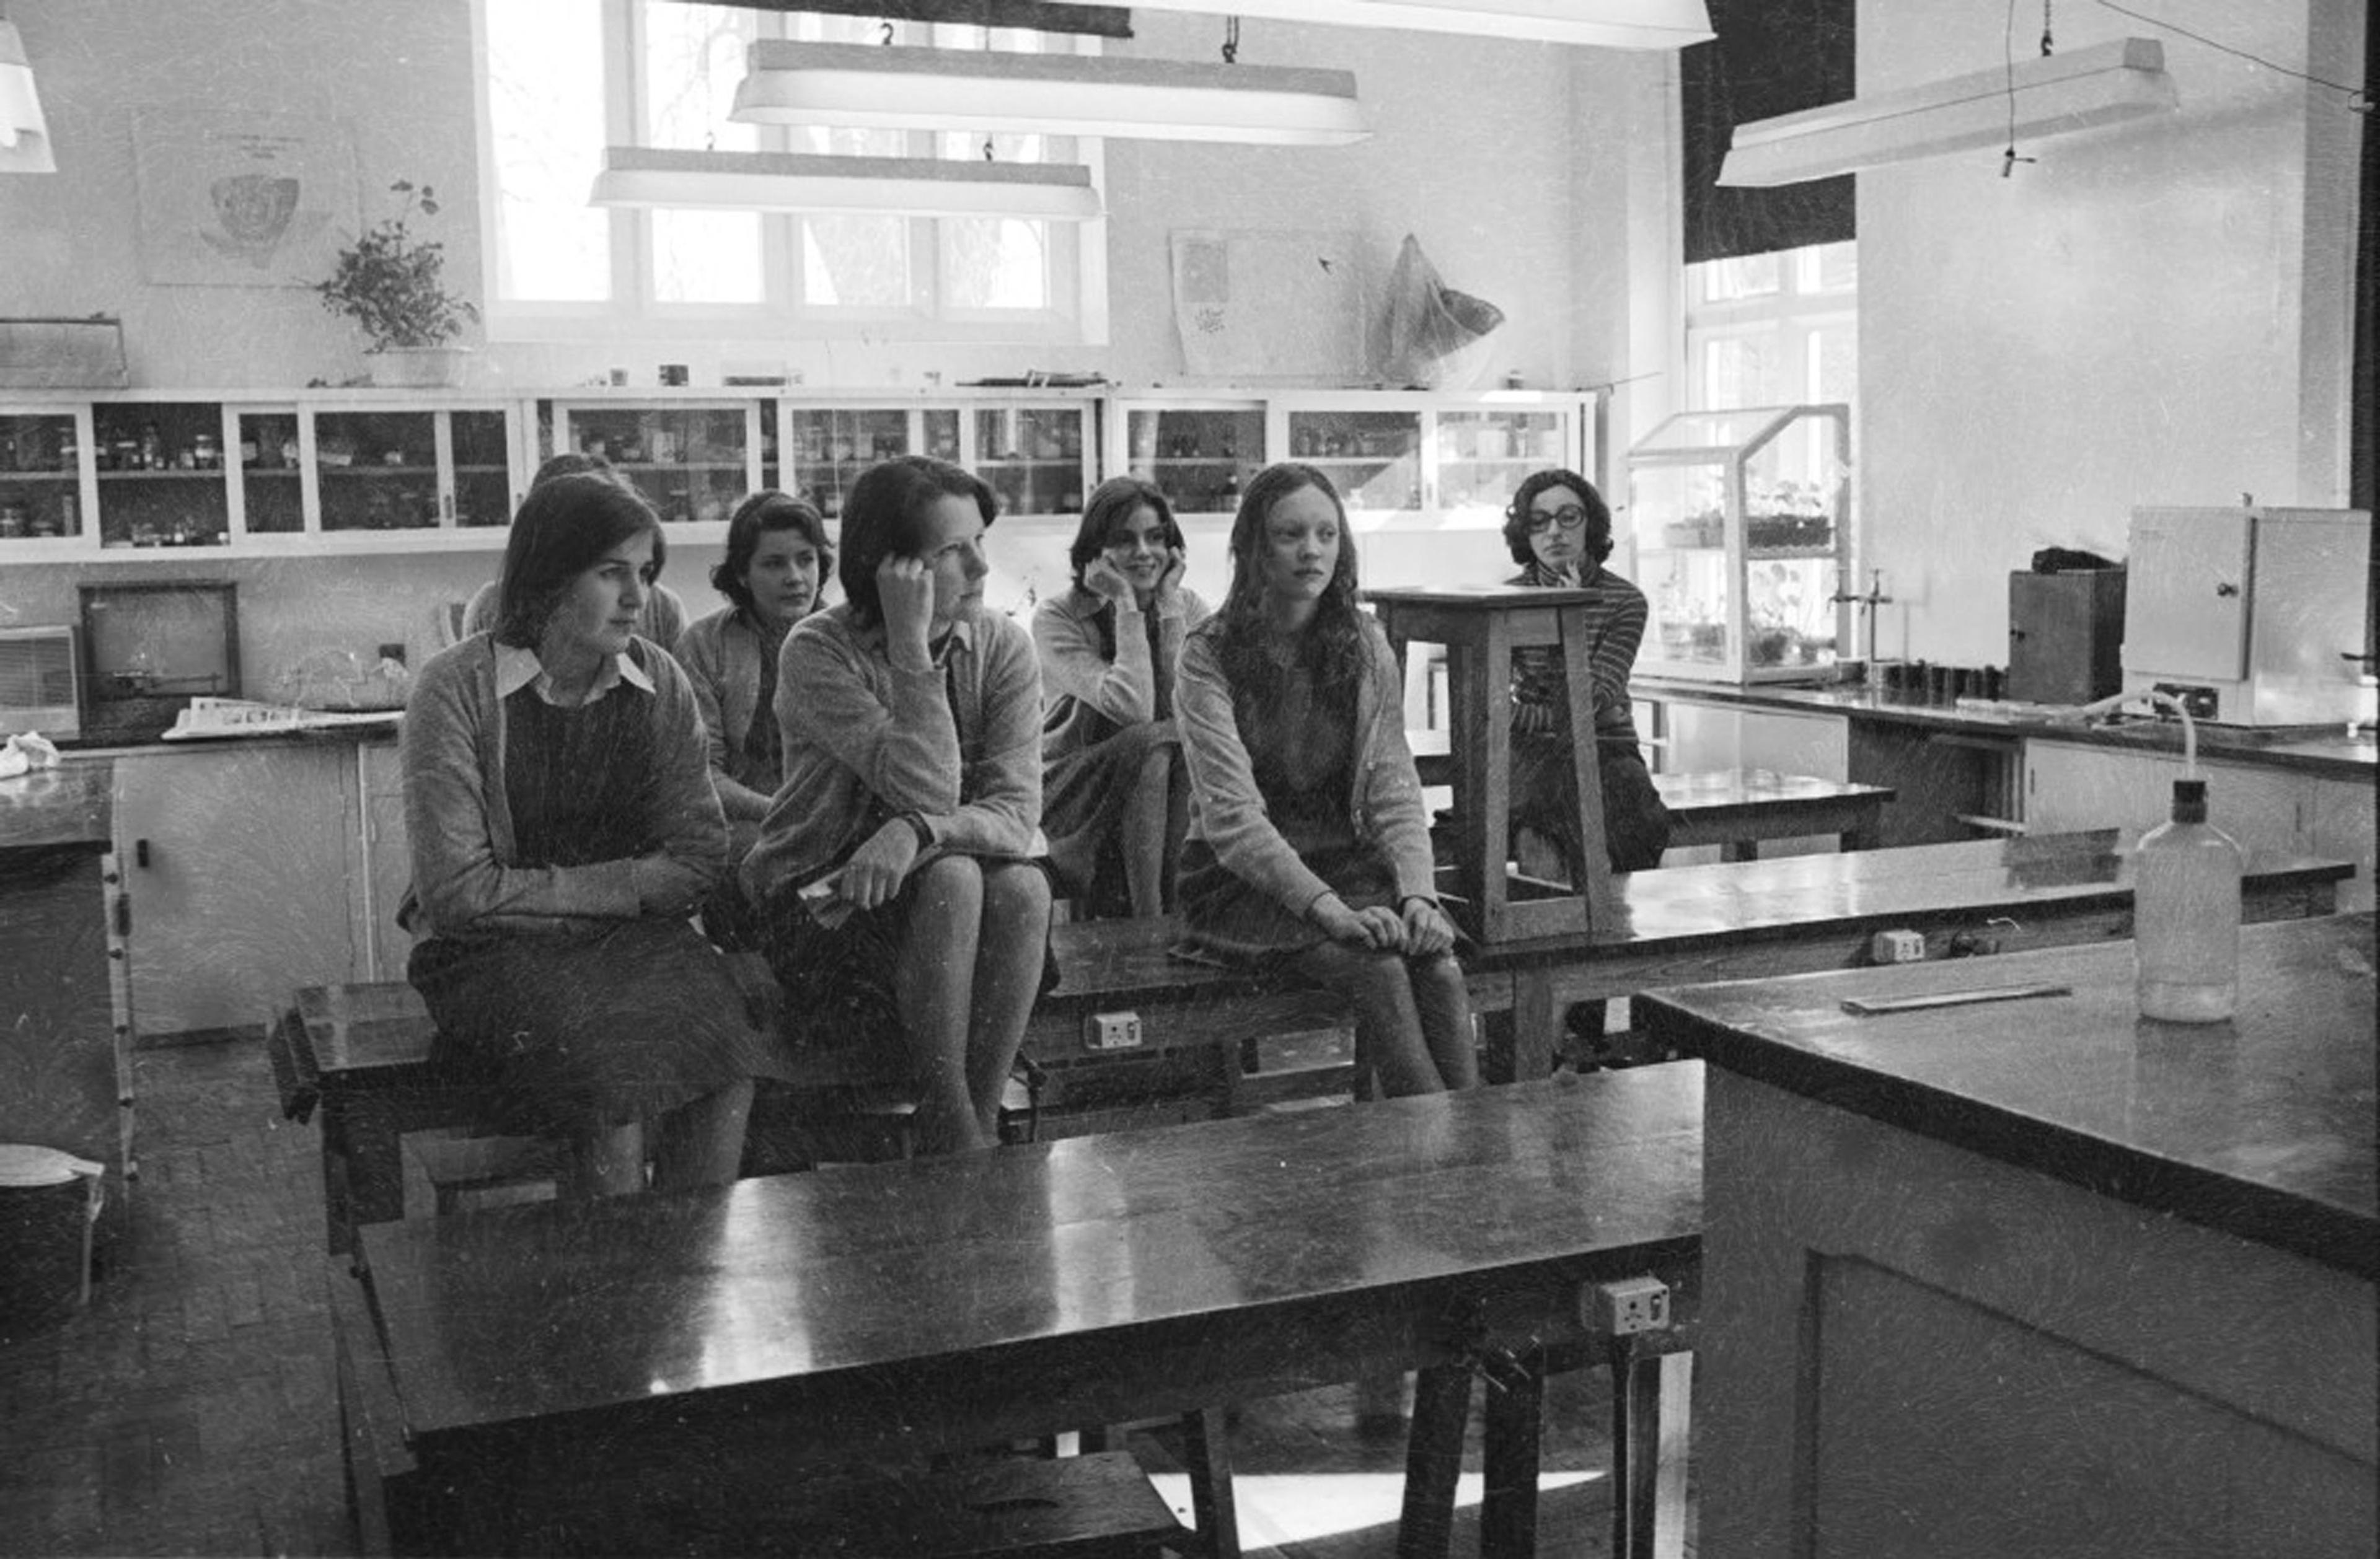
417,368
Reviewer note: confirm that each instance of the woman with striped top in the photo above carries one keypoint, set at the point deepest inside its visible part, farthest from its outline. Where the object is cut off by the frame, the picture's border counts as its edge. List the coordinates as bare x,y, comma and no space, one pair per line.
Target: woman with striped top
1559,532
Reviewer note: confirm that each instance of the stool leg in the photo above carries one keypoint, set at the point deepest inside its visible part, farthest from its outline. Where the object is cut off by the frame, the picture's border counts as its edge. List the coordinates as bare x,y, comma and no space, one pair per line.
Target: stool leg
1594,885
1206,1448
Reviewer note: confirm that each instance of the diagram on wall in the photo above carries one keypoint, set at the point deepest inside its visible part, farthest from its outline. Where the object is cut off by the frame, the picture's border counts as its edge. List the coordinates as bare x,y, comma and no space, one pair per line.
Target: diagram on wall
1255,305
241,200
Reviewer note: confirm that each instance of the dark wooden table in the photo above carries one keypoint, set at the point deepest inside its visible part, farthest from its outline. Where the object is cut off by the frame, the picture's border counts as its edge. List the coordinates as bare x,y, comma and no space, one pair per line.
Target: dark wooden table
2037,1274
359,1052
902,1307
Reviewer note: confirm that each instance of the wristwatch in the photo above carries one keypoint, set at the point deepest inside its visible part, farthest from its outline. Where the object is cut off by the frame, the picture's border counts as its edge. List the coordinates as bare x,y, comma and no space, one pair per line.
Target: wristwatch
916,822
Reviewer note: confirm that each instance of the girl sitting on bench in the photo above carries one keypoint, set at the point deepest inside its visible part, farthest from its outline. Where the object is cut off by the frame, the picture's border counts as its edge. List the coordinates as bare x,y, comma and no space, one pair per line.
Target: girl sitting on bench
897,876
562,828
1116,802
1309,848
777,559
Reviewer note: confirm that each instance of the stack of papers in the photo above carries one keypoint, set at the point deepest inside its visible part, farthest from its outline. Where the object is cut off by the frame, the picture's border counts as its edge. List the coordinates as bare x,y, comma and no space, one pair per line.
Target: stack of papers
208,718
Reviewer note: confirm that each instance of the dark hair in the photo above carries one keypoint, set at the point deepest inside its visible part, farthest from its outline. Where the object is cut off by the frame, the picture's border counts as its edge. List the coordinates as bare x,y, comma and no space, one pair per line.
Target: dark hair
576,463
766,511
885,516
1333,644
1516,514
1112,503
565,526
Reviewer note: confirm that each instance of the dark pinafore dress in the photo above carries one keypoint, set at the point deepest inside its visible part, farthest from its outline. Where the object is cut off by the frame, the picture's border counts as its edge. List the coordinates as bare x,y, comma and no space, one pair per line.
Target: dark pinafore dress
601,1027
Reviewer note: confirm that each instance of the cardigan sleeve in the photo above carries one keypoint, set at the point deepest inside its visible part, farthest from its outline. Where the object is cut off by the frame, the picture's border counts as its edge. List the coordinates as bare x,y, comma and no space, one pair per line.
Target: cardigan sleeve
460,880
1124,689
902,744
1003,784
1613,659
702,650
1231,810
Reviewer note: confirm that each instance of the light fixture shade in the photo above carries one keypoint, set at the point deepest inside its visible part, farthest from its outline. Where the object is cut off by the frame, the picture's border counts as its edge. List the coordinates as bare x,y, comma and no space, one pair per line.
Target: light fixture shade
860,86
2123,78
1610,24
777,181
24,134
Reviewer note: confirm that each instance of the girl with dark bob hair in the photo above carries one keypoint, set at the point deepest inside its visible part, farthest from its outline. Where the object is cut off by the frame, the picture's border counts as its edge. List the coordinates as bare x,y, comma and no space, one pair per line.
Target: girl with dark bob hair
1309,847
1116,795
562,828
895,878
1559,529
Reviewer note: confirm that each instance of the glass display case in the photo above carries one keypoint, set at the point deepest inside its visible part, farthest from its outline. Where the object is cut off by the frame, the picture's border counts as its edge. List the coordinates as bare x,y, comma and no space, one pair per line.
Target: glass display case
1034,457
1200,455
40,476
1740,533
160,474
693,460
828,447
1373,457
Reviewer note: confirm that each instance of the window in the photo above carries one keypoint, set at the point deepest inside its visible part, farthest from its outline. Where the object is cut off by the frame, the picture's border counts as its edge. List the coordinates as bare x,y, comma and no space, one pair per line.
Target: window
1771,330
567,78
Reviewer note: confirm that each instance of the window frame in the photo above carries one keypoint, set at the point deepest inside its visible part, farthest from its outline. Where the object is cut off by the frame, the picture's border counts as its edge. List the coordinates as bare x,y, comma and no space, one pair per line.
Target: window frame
1075,267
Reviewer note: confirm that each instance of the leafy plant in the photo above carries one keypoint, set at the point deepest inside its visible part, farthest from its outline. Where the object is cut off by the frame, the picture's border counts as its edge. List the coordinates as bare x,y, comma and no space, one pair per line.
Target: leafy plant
392,284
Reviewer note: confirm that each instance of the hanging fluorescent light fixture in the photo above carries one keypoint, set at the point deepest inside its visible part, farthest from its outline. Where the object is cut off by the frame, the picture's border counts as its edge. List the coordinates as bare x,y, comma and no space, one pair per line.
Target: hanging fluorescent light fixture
24,134
1610,24
2053,94
778,181
858,86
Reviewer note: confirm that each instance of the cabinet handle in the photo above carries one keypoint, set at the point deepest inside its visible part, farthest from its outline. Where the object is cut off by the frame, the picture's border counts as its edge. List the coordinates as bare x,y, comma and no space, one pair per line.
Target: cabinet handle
2226,592
140,853
123,916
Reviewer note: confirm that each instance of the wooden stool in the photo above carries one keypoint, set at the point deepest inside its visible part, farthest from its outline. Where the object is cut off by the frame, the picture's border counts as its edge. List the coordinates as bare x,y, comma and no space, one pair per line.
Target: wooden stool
1480,626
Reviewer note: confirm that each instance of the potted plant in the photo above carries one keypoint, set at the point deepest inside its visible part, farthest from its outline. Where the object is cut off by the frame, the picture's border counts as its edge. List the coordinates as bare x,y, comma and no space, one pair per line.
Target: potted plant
392,284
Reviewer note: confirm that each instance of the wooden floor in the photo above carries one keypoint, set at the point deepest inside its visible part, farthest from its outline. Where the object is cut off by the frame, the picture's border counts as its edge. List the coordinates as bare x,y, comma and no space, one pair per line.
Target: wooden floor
189,1409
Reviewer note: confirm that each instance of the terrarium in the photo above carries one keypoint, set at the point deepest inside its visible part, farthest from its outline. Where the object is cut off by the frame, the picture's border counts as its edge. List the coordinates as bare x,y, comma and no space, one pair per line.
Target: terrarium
1739,522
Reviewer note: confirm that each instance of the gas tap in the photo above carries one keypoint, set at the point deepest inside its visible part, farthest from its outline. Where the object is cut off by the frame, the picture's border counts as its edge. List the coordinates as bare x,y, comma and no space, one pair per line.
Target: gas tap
1874,598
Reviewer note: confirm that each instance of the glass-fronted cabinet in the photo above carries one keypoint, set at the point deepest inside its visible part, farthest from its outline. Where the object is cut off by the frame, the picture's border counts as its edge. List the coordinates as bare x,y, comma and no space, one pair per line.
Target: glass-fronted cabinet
272,487
160,474
42,475
1198,454
1739,522
1036,457
1372,454
828,447
377,469
1484,453
694,460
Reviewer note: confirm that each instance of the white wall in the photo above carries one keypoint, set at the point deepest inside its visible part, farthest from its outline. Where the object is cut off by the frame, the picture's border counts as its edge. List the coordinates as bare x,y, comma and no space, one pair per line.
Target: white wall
2151,313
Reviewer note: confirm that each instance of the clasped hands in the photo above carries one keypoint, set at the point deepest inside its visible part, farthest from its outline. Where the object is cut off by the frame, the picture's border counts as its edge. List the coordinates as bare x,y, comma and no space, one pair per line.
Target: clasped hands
1422,929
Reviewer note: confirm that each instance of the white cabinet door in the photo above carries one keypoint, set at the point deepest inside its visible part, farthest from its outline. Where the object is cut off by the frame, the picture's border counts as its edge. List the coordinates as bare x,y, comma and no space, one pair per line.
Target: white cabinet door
2341,827
2070,787
235,862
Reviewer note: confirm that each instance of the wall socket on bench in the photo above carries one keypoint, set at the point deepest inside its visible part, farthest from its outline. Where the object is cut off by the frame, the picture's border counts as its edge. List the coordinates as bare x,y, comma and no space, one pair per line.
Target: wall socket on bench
1111,1031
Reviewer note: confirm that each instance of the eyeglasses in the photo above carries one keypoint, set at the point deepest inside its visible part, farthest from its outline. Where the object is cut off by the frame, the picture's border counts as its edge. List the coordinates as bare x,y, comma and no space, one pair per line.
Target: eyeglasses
1570,517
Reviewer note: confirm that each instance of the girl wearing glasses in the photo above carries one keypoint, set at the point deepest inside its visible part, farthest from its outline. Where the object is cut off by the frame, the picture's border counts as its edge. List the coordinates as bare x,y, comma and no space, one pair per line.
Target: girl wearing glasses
1310,850
1115,800
1559,532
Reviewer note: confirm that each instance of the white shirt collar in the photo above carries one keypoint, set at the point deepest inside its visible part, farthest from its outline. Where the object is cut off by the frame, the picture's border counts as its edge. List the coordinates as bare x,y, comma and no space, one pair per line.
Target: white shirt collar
517,667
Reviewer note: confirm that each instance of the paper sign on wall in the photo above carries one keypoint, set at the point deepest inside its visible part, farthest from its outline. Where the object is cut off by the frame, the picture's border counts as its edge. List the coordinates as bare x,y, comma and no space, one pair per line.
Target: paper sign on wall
1253,306
242,200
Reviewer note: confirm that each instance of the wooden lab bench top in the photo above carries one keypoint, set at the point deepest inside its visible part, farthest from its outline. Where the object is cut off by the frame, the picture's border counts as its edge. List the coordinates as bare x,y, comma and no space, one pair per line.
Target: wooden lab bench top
490,1356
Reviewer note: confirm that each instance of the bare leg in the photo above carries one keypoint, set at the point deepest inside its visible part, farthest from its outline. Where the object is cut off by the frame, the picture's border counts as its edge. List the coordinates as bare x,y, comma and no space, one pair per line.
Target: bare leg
607,1161
1445,1007
1388,1022
1144,830
936,973
1015,931
703,1143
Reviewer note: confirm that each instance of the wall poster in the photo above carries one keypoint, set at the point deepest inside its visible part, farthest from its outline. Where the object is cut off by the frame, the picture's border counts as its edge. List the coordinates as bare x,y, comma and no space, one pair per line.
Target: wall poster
1256,306
242,200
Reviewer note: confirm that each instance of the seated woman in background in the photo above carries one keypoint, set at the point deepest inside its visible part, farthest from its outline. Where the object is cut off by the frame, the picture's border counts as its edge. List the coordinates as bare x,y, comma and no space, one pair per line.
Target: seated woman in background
894,875
1309,848
777,555
563,826
1115,800
1560,531
661,618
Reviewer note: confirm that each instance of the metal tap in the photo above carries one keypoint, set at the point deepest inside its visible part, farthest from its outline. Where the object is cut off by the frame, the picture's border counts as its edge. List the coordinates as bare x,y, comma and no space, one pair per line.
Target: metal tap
1874,598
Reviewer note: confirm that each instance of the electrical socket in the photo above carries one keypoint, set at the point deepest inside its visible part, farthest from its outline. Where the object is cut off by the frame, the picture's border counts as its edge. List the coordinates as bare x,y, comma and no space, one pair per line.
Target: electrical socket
1897,946
1112,1030
1631,1304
